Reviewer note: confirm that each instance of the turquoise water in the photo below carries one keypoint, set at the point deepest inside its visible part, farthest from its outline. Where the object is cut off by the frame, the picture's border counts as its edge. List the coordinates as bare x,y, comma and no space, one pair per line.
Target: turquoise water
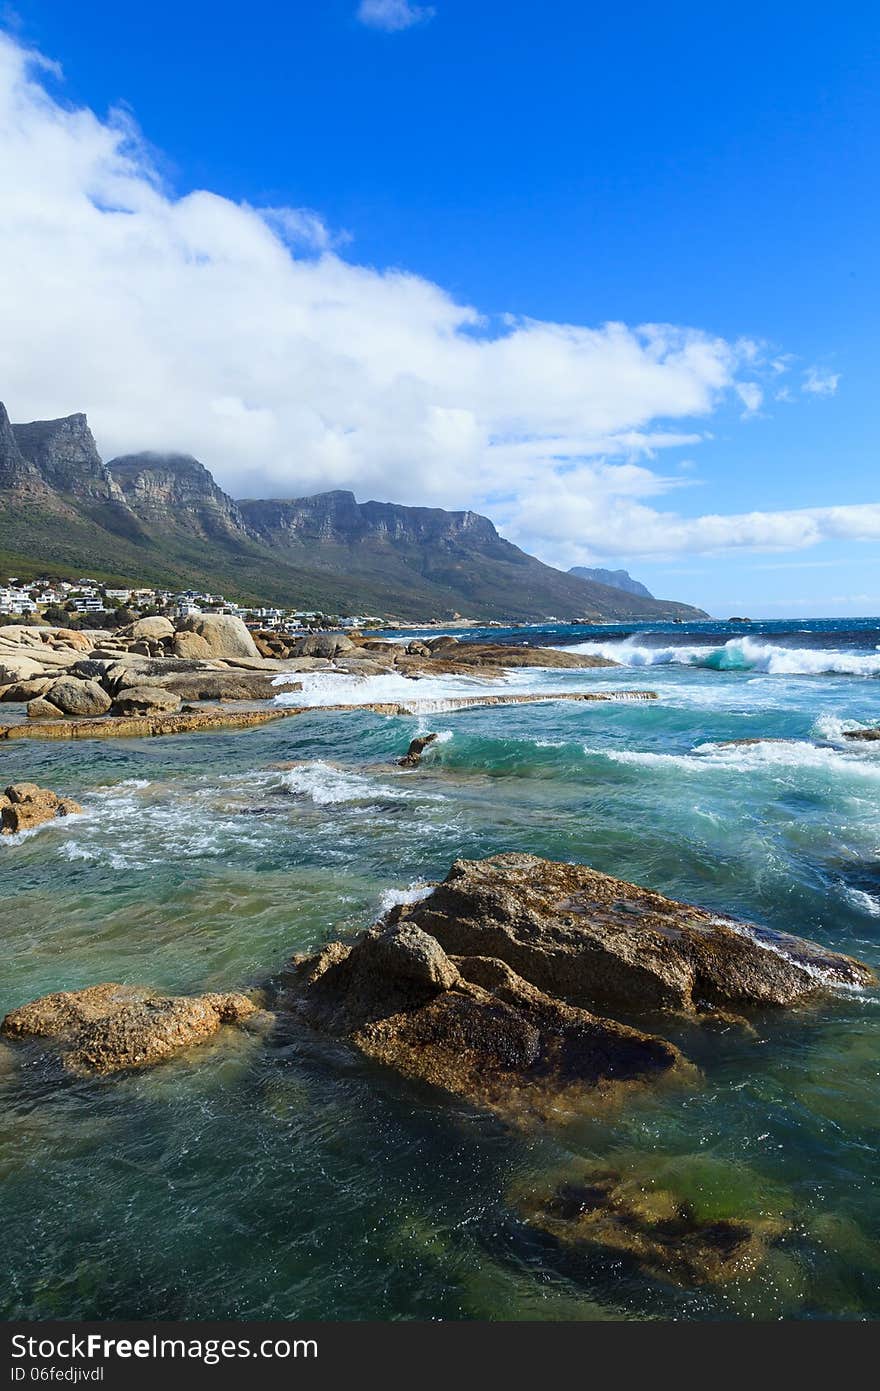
261,1181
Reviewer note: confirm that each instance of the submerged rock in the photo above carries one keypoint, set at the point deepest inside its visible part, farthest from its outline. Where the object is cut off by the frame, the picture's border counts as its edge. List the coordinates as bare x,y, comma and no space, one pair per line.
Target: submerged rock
471,1026
24,806
657,1229
110,1028
612,945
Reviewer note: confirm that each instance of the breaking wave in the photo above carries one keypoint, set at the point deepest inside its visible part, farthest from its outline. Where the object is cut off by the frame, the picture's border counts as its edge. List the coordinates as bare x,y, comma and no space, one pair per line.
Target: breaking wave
739,654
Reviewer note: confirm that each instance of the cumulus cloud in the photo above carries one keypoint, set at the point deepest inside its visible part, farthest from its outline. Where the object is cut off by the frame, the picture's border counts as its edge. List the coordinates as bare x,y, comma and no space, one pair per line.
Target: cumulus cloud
243,336
392,15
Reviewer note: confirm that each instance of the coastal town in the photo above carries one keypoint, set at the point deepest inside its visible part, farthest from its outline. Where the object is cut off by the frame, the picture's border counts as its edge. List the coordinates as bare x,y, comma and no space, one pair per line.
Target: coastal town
85,598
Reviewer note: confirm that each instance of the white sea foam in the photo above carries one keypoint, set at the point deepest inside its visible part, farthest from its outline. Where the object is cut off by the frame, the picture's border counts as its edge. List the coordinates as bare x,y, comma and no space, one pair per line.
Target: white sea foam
392,898
748,758
823,976
325,785
738,654
864,902
427,695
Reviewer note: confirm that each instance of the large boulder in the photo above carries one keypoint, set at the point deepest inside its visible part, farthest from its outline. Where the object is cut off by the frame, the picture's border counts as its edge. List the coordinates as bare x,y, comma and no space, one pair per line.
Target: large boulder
471,1026
145,700
23,691
24,805
611,945
326,645
109,1028
225,635
189,645
75,697
152,629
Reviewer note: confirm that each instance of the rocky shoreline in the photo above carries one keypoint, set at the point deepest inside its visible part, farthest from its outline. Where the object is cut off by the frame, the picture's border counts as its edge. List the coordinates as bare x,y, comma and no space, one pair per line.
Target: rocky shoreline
153,678
529,989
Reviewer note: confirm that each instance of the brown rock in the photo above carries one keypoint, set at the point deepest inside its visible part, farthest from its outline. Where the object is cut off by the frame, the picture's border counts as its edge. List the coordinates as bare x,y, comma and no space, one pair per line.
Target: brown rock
612,945
109,1028
69,637
866,734
472,1027
504,655
24,805
189,645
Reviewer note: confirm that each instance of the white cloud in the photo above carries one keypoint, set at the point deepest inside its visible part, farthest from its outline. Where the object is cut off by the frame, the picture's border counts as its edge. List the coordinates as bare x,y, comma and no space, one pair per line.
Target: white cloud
242,336
392,15
819,383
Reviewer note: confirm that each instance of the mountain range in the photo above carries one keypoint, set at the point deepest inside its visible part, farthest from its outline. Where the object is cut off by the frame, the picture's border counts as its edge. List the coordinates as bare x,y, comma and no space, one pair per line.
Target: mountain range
160,519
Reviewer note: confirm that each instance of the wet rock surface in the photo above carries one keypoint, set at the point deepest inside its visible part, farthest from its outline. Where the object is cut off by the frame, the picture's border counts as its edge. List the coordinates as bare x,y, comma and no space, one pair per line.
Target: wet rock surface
112,1028
608,944
24,805
471,1027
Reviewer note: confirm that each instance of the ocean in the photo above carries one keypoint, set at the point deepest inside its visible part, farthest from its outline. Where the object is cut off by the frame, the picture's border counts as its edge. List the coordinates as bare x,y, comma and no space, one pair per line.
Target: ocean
254,1180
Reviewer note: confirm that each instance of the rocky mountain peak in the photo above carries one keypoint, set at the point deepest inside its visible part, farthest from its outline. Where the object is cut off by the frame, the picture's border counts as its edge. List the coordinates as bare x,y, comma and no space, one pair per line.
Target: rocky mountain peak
161,486
66,457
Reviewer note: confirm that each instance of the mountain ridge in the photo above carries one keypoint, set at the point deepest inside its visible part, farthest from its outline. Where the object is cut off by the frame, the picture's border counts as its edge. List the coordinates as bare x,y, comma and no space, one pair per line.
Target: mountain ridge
617,579
161,518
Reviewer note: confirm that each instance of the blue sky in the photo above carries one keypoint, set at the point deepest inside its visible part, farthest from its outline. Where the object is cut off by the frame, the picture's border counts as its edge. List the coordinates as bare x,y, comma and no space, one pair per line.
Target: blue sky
567,165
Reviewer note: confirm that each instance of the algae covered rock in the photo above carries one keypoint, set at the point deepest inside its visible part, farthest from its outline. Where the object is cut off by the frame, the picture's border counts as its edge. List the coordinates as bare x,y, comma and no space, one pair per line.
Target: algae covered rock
660,1232
111,1028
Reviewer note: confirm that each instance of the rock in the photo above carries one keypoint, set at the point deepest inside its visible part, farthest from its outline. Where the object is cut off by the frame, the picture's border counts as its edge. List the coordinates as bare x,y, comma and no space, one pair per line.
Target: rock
69,637
24,805
152,629
145,700
220,685
91,668
867,734
23,691
611,945
470,1026
16,668
42,709
661,1233
225,635
189,645
323,645
109,1028
75,697
413,756
503,655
